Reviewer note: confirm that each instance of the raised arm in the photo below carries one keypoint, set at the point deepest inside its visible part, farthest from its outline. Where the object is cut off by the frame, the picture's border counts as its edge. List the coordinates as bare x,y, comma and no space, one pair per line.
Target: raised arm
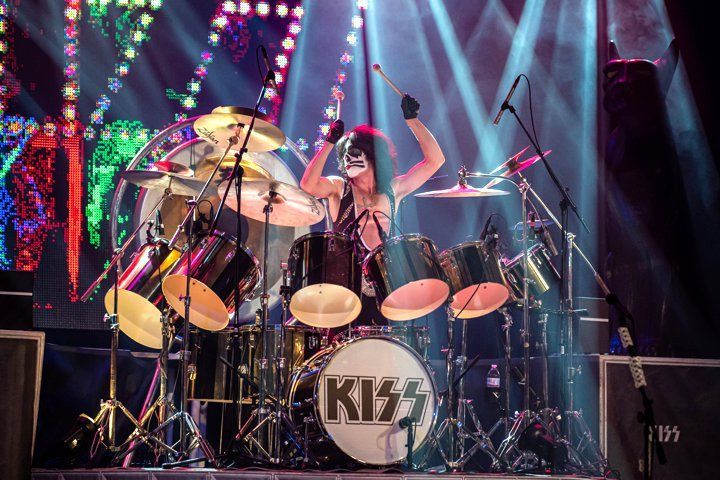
419,173
312,180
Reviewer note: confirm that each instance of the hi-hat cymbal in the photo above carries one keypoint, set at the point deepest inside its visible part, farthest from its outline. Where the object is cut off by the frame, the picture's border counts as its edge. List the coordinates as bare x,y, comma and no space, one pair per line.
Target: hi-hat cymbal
514,166
462,190
291,207
226,124
176,183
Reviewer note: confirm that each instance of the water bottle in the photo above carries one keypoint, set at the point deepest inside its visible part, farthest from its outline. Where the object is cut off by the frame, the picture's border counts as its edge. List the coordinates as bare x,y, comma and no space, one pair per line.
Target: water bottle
492,383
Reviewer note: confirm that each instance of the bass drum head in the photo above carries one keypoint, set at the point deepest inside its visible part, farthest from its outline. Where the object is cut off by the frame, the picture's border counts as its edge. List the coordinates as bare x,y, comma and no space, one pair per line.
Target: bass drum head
196,154
363,391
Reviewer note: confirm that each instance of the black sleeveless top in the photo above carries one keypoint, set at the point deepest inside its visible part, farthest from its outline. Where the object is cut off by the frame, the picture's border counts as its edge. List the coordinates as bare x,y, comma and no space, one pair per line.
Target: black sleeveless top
346,212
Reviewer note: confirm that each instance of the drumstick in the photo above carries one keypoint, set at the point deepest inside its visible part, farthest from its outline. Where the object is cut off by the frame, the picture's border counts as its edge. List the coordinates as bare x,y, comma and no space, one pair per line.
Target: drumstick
339,96
376,67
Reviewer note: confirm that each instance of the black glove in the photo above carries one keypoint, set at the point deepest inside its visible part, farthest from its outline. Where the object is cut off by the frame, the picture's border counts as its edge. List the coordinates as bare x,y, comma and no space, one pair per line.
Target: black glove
337,128
410,107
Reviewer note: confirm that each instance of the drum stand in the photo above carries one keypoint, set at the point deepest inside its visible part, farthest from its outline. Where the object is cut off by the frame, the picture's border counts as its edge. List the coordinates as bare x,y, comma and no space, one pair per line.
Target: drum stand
105,419
458,408
162,405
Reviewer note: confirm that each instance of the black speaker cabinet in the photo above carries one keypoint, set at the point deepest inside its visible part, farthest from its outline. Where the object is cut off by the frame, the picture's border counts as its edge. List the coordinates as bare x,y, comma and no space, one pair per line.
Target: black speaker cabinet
21,356
686,396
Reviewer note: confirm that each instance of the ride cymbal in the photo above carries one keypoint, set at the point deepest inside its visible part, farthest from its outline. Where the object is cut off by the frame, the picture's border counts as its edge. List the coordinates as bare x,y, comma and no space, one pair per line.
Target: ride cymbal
462,190
229,125
291,207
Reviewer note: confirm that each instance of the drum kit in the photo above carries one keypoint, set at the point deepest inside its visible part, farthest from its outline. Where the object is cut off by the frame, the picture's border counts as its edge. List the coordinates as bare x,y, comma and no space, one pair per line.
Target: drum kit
366,397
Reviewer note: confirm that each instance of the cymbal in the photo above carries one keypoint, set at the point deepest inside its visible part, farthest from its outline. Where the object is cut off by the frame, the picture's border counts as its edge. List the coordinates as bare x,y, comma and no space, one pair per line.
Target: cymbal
513,167
291,207
176,183
225,124
172,167
461,190
251,170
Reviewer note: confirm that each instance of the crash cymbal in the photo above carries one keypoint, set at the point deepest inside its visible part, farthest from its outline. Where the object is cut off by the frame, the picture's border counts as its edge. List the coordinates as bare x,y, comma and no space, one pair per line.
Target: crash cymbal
545,222
177,184
228,123
462,190
291,207
510,160
251,170
513,166
171,167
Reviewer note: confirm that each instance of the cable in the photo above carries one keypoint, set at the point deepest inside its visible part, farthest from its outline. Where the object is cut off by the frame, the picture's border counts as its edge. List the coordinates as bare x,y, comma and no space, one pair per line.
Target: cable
532,116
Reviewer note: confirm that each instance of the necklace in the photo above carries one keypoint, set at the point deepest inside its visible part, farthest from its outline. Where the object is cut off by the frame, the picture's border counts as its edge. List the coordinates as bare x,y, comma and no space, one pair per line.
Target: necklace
366,202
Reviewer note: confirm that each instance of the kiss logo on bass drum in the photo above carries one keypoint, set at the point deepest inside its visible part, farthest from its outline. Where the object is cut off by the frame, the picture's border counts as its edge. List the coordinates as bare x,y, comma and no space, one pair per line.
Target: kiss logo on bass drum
352,396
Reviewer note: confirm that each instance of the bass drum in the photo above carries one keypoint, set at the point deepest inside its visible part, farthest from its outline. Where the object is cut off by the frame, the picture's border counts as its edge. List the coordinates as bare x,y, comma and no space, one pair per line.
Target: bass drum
200,157
350,399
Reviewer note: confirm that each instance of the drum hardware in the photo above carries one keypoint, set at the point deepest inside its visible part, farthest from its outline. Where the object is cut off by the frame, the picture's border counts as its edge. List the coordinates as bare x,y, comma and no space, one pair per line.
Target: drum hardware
188,428
104,422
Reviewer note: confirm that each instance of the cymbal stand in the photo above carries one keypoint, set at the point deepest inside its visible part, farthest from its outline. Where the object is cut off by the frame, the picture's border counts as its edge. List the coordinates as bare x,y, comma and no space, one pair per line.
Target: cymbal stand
162,405
188,427
260,417
105,420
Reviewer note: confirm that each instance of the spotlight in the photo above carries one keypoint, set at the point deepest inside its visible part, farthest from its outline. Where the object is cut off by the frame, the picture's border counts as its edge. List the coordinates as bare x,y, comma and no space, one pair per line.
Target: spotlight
542,442
80,435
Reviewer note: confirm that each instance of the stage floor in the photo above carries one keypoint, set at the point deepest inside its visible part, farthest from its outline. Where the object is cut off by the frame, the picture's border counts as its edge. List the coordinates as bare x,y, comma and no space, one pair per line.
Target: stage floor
211,474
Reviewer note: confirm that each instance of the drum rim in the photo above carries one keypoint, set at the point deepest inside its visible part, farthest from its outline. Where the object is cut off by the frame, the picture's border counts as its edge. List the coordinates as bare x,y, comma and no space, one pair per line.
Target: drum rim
232,239
532,249
460,246
333,351
395,240
323,233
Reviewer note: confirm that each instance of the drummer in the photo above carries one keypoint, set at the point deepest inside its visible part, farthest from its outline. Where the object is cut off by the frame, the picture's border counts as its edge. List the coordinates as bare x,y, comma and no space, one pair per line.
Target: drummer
368,180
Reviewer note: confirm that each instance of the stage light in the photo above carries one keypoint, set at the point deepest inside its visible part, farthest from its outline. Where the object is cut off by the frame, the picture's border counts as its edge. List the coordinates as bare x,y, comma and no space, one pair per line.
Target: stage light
363,4
294,28
156,4
352,38
244,7
229,7
288,44
357,21
281,61
262,9
282,10
220,21
298,12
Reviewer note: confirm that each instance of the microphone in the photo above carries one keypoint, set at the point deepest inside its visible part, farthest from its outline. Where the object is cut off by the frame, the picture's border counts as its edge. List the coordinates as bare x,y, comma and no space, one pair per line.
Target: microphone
383,235
485,228
271,72
504,105
159,225
354,224
406,422
548,241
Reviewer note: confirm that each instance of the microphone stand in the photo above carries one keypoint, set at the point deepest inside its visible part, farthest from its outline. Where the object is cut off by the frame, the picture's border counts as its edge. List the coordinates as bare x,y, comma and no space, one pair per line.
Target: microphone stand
566,307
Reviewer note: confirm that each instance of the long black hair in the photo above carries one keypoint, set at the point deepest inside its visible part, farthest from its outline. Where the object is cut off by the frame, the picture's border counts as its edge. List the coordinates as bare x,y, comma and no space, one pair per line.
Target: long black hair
379,150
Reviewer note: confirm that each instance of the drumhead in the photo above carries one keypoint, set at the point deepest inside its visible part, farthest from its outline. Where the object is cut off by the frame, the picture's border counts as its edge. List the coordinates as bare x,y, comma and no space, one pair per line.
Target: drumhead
365,388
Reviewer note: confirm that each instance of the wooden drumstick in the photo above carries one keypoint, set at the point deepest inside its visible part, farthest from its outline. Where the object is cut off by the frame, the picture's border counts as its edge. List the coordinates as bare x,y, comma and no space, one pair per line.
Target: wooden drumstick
376,67
339,96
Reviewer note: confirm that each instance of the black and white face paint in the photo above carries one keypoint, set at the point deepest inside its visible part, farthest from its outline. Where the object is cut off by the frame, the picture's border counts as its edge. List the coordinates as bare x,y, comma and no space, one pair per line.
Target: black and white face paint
356,162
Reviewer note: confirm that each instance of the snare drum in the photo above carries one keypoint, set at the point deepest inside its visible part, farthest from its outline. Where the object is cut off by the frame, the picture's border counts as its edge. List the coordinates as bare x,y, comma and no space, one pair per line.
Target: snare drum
542,275
140,293
476,279
349,400
324,280
407,277
211,284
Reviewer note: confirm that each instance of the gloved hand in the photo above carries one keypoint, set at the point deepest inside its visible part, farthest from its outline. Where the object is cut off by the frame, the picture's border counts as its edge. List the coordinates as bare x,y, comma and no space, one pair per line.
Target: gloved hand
410,107
337,128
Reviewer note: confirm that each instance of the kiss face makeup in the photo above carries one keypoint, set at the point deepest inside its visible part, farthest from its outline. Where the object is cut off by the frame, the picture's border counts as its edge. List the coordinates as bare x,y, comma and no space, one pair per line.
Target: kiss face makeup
356,162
